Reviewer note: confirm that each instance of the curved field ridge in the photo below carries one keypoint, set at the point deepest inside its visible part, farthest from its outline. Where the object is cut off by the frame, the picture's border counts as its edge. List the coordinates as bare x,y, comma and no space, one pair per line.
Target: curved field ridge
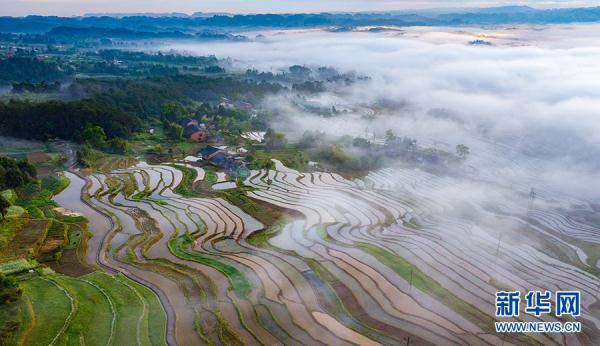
96,309
365,262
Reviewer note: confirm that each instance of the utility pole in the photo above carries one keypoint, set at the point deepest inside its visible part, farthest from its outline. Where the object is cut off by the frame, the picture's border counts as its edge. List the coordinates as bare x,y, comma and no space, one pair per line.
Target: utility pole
498,250
532,195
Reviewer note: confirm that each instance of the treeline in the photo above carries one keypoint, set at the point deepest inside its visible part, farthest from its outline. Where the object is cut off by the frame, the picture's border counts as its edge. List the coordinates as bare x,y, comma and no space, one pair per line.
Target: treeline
66,120
118,54
132,69
118,107
31,70
15,173
144,97
10,293
41,87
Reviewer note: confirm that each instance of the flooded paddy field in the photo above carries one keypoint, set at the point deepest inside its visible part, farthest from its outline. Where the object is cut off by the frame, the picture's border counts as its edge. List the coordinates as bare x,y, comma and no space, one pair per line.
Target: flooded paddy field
368,261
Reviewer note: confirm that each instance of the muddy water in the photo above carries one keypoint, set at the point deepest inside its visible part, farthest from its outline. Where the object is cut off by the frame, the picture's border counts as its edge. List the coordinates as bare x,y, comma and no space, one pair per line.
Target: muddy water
99,225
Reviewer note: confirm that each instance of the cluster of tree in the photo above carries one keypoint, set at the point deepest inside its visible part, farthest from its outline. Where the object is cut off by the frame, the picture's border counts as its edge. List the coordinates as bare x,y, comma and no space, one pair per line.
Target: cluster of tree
23,52
86,155
132,69
302,78
125,55
173,112
173,130
89,152
312,139
222,121
15,173
213,69
41,87
359,154
395,144
32,70
145,96
66,120
69,33
101,34
232,121
309,87
274,140
95,137
345,158
10,293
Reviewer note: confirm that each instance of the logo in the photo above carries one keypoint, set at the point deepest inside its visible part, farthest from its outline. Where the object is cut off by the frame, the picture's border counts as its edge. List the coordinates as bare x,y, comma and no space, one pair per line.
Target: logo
538,303
507,304
568,303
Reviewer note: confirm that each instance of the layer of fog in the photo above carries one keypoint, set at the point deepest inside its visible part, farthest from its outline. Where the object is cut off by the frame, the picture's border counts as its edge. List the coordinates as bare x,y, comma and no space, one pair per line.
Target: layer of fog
534,108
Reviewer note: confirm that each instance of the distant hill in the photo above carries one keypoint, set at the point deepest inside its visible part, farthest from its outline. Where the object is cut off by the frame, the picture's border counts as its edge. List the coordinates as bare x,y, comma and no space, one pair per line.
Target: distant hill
179,25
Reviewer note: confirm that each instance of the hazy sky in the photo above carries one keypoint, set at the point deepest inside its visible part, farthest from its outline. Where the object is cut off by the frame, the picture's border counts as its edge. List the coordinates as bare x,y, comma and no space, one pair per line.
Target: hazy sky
78,7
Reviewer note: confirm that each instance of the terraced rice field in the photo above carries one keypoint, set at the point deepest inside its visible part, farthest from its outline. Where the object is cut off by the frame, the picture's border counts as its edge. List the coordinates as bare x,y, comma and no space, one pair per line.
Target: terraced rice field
95,309
381,260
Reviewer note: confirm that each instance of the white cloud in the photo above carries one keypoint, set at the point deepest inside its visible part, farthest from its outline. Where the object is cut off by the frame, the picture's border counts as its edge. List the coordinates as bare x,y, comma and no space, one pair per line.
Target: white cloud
542,101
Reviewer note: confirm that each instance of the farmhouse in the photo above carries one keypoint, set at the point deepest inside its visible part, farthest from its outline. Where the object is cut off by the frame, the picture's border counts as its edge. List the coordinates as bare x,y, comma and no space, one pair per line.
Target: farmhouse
194,130
234,165
210,152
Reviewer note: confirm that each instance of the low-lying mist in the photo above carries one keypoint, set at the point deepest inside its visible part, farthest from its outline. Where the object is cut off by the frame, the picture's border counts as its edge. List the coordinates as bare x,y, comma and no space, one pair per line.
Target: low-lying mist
530,110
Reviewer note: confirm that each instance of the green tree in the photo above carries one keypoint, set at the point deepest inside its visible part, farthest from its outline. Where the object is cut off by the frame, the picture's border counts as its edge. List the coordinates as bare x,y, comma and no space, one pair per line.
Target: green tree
159,149
13,178
462,151
119,146
94,136
274,140
4,204
172,112
85,155
173,131
268,165
9,290
15,173
27,169
9,295
390,137
361,142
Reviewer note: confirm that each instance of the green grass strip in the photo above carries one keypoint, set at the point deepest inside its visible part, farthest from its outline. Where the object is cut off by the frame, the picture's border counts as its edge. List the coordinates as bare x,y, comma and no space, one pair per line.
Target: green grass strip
181,247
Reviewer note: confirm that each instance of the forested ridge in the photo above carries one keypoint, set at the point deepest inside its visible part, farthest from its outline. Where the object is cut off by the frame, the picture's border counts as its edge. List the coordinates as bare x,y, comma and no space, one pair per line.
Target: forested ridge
144,97
117,105
66,120
31,70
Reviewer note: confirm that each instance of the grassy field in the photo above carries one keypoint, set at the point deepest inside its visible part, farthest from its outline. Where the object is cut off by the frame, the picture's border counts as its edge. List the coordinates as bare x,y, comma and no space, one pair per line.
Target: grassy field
50,307
211,176
96,309
291,156
185,188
